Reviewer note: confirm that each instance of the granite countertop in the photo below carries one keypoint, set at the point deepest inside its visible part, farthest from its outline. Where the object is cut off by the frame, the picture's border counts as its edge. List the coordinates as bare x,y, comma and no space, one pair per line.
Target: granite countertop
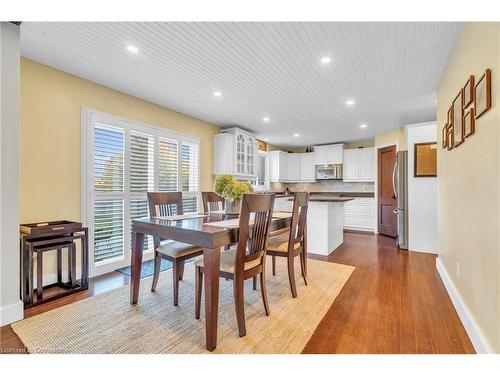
337,194
327,198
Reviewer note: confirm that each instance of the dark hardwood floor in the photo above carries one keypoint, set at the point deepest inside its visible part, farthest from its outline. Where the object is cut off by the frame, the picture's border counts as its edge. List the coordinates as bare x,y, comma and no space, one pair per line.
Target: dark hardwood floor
394,302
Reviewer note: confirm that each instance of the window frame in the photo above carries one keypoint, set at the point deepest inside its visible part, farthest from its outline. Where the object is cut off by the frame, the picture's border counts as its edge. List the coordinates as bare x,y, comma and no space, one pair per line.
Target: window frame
88,196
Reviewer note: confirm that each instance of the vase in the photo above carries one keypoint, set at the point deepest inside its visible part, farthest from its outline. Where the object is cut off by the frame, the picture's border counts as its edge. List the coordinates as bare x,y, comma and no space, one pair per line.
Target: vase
233,208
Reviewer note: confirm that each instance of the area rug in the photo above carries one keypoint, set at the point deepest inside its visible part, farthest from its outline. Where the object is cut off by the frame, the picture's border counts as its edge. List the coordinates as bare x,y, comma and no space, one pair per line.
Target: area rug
107,323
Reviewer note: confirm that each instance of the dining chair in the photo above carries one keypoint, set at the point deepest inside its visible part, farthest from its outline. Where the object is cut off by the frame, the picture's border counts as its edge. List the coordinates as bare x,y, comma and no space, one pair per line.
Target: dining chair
212,202
249,257
292,243
168,204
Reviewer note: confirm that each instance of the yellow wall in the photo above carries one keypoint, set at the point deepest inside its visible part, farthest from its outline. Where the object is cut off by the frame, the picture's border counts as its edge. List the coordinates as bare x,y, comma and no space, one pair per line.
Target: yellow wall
392,136
50,140
362,143
468,184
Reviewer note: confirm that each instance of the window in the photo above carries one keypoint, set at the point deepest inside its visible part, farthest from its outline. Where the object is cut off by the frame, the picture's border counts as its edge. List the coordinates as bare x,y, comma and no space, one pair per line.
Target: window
122,161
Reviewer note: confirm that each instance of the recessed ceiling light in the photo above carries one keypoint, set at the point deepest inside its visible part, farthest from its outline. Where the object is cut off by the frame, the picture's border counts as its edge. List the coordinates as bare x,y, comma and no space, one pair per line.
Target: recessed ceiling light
326,60
363,126
265,119
350,102
296,135
132,49
266,139
217,93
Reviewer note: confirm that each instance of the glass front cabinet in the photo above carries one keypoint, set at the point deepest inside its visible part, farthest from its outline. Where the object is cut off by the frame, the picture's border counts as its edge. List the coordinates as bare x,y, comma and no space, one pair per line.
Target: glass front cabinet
234,153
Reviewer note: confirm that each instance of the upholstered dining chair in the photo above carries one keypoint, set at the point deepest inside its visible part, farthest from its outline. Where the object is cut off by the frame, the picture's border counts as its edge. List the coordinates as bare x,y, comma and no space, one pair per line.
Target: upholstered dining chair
293,242
249,257
168,204
212,201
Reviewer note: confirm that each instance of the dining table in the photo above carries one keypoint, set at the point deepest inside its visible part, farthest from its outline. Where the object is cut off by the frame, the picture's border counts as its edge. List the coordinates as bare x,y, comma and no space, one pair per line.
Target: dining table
211,231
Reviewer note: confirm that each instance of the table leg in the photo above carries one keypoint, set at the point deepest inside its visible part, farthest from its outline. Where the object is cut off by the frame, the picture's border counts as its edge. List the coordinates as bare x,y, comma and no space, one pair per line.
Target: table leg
59,266
39,275
136,264
211,264
72,264
85,259
30,273
304,250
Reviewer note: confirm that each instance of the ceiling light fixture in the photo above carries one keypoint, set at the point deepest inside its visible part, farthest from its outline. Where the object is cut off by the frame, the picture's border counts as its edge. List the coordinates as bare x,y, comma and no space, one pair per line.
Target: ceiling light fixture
296,135
363,126
217,93
326,60
266,139
265,119
132,49
350,102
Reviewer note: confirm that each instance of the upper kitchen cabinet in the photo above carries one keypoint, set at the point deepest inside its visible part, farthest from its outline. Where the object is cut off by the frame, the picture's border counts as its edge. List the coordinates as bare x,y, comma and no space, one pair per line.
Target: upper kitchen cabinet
234,153
293,167
328,154
307,167
359,165
277,166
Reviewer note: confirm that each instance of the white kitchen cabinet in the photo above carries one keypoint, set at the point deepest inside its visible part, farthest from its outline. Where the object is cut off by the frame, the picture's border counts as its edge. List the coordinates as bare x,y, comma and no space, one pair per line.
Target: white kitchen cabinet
284,204
359,165
307,167
328,154
293,167
359,214
284,166
234,153
277,166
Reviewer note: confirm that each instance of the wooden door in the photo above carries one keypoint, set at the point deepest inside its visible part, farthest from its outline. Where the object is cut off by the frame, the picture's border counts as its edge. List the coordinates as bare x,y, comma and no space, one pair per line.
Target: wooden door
387,203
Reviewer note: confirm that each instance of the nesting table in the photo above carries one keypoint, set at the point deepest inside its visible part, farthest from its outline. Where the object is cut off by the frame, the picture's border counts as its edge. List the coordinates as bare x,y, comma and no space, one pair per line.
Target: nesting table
38,238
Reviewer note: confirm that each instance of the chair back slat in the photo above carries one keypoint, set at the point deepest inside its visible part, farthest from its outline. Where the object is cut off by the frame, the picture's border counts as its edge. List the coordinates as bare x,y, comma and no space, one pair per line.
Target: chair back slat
254,239
164,204
299,220
212,201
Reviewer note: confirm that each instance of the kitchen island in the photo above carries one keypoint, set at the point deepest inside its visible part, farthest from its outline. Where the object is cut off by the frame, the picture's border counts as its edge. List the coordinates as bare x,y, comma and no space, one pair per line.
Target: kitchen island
325,223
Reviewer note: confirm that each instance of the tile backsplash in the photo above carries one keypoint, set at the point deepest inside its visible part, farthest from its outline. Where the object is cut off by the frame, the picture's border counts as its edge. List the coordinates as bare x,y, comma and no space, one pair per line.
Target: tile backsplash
325,186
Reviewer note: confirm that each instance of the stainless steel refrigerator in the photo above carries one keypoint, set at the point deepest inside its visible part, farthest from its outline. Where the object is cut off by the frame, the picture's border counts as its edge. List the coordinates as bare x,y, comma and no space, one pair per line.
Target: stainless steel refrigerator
400,179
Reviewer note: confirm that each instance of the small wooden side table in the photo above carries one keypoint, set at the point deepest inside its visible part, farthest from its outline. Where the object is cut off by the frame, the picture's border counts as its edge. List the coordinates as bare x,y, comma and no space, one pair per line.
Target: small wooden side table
38,238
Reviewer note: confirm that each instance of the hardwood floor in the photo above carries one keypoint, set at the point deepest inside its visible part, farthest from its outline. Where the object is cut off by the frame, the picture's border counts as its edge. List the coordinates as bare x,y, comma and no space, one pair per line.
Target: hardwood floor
394,302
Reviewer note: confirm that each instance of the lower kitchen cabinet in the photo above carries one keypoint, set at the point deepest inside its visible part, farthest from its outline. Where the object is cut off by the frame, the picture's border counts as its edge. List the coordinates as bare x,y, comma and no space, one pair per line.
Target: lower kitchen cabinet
359,214
284,204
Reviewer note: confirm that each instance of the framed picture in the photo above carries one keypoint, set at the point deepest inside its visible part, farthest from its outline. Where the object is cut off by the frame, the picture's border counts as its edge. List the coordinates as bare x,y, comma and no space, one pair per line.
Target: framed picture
469,92
482,94
457,120
450,137
450,116
469,123
425,164
444,136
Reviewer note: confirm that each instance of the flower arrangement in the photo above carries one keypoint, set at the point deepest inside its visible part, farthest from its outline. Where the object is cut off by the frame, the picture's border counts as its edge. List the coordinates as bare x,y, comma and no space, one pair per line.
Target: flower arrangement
230,189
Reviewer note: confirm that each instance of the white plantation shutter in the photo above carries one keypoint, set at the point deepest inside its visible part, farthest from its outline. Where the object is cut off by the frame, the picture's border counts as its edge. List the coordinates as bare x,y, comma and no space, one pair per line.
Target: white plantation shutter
139,209
108,189
125,160
189,176
108,229
141,162
108,159
168,164
142,155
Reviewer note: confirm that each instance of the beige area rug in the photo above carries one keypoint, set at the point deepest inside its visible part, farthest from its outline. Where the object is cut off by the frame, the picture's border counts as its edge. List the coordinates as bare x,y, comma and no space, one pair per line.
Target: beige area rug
107,323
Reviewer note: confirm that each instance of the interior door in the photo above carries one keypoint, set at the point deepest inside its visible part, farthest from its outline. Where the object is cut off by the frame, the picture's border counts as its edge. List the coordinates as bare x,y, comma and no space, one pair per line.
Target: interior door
387,202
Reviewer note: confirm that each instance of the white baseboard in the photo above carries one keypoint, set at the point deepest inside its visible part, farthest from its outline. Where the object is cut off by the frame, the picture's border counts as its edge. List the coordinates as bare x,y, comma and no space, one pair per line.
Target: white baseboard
11,313
476,335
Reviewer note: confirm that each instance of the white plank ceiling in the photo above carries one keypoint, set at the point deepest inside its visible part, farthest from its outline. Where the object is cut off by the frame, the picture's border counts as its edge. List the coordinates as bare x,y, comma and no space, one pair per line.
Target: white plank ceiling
272,70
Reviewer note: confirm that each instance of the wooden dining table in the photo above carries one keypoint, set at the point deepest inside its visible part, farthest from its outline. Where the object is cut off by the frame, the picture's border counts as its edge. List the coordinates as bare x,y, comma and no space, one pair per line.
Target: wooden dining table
199,230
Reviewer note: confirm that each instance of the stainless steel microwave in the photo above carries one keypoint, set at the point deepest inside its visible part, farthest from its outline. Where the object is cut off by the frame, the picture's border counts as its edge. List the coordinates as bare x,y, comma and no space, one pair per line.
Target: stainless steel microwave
329,172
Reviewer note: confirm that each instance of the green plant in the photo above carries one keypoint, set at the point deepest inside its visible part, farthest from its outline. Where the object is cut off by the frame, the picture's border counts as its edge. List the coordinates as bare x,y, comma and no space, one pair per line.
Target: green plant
227,187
